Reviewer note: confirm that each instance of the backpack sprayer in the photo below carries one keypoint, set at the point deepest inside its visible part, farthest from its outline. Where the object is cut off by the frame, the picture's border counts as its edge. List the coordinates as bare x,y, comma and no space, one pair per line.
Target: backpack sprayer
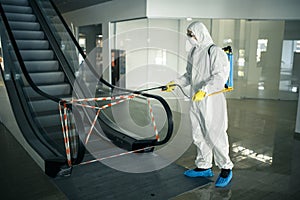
229,84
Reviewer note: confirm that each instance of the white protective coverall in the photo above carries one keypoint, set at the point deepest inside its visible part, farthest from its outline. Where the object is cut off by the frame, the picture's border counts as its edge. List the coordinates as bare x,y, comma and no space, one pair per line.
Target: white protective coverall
208,117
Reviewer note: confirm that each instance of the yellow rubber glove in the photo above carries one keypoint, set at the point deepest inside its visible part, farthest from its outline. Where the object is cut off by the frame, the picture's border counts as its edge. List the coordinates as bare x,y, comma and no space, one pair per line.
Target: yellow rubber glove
198,96
170,86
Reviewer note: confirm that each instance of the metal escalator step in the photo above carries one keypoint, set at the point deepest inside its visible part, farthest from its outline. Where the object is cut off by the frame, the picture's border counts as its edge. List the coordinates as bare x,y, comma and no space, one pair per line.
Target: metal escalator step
57,137
43,105
49,112
63,34
54,90
28,35
15,2
49,120
31,26
54,129
28,55
60,28
17,9
52,125
32,44
47,78
50,12
21,17
42,66
47,4
56,20
56,134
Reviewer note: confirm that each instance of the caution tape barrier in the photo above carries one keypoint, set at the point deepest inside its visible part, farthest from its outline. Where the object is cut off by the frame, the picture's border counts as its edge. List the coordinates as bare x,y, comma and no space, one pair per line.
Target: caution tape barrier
66,122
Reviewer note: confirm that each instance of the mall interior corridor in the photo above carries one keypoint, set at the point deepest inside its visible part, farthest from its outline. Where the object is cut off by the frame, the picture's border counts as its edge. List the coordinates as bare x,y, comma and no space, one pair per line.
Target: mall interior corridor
97,99
263,145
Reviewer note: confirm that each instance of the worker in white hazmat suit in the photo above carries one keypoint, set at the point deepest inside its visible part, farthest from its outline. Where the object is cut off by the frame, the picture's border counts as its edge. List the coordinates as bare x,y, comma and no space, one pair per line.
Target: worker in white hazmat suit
206,74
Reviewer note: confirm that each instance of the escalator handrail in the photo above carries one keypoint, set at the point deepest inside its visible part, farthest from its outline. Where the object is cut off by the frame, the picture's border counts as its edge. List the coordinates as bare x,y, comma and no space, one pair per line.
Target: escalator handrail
21,61
159,98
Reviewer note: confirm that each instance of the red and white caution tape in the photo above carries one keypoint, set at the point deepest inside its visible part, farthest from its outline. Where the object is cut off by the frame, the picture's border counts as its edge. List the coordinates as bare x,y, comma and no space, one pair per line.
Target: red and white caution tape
92,127
153,120
117,155
65,130
65,123
104,98
98,112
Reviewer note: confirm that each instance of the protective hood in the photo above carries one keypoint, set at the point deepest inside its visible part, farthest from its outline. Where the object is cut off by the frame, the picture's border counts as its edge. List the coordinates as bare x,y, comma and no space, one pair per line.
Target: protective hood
203,37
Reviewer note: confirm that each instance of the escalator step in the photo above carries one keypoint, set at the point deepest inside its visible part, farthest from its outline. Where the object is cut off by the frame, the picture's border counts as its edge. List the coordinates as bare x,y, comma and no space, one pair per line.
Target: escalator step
31,26
49,120
20,17
58,129
56,20
15,2
33,44
47,4
50,12
17,9
46,113
31,55
28,35
54,90
60,29
54,129
57,137
42,66
43,105
48,78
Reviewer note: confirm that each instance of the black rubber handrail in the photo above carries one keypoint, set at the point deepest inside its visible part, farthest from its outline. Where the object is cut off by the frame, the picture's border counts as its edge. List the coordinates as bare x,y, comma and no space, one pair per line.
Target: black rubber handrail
160,99
20,59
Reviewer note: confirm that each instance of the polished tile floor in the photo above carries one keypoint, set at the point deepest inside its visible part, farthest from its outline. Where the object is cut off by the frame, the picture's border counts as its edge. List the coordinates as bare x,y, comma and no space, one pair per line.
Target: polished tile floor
263,147
265,150
20,176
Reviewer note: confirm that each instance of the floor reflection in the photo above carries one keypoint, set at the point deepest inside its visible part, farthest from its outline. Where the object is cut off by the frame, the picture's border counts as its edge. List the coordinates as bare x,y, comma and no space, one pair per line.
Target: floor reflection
265,150
208,192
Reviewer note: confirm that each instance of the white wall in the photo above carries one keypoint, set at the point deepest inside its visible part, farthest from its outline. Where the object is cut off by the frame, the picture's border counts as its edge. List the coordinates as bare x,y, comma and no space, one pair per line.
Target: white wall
234,9
116,10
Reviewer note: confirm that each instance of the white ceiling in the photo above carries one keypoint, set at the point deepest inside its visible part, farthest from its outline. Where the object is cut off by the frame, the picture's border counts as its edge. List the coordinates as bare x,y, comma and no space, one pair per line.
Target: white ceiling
70,5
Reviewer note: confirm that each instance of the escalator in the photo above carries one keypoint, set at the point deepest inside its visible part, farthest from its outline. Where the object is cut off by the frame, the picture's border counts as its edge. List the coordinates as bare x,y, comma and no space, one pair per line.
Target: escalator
40,67
37,82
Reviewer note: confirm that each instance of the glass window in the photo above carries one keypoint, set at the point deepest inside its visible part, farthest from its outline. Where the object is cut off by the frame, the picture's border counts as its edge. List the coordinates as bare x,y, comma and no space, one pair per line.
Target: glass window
264,65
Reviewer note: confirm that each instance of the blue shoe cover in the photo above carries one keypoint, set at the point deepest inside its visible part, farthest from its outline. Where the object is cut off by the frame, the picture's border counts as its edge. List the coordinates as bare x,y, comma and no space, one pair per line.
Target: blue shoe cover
193,173
222,182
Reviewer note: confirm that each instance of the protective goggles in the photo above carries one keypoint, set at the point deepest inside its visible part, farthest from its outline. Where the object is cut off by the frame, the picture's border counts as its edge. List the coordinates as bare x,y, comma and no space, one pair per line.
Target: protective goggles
190,33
